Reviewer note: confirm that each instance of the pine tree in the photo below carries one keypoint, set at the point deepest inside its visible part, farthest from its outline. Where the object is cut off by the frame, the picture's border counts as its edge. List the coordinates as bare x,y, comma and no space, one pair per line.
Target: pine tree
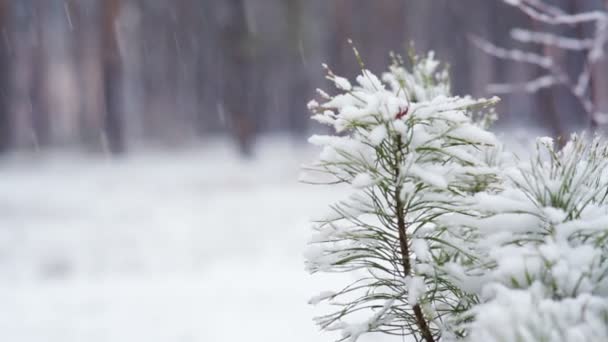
411,152
448,237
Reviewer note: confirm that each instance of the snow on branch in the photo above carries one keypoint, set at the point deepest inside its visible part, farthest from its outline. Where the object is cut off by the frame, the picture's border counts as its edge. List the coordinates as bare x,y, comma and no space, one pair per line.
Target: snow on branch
544,38
548,15
593,47
546,81
602,118
545,8
513,55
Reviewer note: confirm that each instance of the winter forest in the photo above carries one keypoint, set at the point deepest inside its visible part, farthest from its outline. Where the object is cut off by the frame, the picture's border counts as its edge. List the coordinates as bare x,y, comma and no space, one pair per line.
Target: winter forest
304,170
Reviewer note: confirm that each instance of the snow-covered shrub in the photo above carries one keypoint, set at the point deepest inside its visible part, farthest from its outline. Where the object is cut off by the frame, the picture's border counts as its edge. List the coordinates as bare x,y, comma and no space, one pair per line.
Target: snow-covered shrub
445,238
541,248
411,153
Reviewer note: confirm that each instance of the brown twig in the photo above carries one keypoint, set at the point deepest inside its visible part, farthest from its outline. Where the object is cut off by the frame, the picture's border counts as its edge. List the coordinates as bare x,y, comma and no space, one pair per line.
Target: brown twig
581,87
421,322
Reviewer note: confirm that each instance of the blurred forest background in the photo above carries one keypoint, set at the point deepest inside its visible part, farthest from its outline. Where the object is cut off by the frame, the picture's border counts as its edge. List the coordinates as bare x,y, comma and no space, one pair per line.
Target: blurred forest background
106,75
183,239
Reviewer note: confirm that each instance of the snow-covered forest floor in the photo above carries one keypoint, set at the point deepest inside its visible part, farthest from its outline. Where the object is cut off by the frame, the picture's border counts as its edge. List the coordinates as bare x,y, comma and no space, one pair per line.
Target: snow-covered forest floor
195,245
164,246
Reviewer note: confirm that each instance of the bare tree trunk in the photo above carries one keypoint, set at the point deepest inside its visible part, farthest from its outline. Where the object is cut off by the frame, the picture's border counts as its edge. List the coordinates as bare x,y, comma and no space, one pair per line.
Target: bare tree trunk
546,97
187,51
342,59
575,7
41,123
86,48
207,60
298,91
113,120
236,71
5,117
600,88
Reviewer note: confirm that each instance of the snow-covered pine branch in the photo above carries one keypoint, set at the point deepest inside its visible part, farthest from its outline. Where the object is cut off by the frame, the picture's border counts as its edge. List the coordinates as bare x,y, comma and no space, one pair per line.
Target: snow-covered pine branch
594,48
445,237
541,255
411,152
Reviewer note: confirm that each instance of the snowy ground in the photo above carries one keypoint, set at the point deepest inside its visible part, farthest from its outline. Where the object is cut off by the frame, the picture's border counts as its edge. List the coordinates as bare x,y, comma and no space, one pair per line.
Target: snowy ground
195,245
164,246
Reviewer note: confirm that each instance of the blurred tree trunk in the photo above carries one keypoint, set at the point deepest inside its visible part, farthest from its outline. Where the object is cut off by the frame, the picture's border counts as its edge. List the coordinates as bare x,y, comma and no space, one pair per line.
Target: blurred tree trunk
388,16
574,6
113,119
208,119
600,95
236,46
88,65
160,49
187,17
41,122
599,91
299,85
22,37
5,118
342,59
545,98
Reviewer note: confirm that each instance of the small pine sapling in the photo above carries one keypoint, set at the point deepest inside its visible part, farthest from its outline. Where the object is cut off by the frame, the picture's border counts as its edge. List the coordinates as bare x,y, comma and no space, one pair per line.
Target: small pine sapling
411,153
